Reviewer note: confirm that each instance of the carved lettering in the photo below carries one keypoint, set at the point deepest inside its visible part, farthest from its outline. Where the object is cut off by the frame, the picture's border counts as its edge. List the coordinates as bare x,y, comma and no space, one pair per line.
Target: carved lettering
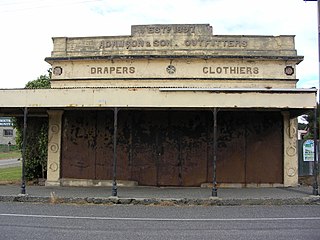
169,43
112,70
231,70
205,43
123,43
168,29
162,43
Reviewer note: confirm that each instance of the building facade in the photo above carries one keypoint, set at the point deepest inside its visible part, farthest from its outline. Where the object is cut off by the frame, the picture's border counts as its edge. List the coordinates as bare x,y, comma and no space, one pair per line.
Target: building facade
7,132
171,105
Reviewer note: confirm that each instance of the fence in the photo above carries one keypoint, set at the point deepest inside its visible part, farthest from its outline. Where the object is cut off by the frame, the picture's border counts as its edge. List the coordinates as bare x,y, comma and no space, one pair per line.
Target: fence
7,147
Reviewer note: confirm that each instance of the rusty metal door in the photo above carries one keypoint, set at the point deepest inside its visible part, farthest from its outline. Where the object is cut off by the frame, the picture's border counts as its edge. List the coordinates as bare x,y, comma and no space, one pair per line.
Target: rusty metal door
169,148
78,145
143,150
168,151
173,148
193,146
249,148
87,145
231,155
154,151
264,149
104,145
168,156
158,148
231,147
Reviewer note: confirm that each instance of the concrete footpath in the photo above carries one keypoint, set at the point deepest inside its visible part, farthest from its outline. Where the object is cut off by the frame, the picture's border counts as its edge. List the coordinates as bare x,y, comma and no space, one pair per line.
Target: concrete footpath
166,196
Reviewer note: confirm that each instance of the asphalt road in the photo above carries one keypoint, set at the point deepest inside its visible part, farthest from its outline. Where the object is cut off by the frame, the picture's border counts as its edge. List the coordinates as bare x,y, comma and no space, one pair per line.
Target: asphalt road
5,163
45,221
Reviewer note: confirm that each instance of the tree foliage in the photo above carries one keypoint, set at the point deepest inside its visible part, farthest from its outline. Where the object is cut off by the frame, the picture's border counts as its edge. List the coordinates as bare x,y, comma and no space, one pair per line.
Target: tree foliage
310,118
37,136
36,147
41,82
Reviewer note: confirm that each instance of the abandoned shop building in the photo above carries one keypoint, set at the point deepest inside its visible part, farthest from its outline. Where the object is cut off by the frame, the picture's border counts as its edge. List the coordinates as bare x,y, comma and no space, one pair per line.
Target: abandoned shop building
170,105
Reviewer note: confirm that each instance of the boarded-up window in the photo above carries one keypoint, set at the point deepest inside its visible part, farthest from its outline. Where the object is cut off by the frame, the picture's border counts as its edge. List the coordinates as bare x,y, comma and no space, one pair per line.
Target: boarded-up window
7,132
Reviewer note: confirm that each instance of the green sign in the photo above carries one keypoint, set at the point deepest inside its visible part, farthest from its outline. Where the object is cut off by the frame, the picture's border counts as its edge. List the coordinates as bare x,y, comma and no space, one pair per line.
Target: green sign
308,151
5,122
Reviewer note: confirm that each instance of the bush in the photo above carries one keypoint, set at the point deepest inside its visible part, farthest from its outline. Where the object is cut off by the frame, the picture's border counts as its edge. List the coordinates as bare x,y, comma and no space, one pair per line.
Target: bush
37,136
36,147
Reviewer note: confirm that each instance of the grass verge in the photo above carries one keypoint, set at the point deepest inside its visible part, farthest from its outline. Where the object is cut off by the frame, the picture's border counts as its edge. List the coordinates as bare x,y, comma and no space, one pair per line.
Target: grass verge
11,154
11,174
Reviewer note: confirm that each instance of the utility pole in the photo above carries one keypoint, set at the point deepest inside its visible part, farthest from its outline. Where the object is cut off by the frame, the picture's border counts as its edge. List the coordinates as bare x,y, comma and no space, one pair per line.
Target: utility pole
316,159
316,163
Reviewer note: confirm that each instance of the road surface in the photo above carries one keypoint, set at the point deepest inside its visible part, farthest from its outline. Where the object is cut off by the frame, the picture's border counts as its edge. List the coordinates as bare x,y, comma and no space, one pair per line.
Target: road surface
5,163
80,222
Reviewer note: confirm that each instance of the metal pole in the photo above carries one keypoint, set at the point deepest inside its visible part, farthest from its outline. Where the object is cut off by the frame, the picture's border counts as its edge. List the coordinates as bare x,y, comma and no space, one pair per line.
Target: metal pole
23,179
114,179
214,175
315,163
319,47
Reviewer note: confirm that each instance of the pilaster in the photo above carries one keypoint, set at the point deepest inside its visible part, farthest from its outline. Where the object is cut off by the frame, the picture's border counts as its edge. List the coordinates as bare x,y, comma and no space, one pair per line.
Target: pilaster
290,160
54,147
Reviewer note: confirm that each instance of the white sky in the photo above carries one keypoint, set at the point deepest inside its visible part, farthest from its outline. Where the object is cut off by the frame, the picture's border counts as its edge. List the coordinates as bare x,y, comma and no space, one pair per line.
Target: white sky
28,25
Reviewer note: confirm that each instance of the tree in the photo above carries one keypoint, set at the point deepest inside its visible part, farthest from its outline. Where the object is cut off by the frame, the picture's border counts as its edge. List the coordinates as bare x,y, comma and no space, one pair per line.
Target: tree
41,82
37,136
310,118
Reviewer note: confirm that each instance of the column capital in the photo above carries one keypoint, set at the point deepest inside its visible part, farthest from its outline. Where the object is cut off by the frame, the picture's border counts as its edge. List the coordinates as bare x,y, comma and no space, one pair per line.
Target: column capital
52,112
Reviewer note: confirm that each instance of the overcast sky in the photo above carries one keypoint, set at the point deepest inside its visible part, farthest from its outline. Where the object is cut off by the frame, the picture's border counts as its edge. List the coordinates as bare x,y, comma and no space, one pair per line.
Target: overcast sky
28,25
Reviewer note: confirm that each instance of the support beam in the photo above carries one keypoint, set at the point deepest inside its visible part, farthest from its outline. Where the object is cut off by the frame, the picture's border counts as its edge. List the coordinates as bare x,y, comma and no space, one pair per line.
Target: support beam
214,164
114,178
24,144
